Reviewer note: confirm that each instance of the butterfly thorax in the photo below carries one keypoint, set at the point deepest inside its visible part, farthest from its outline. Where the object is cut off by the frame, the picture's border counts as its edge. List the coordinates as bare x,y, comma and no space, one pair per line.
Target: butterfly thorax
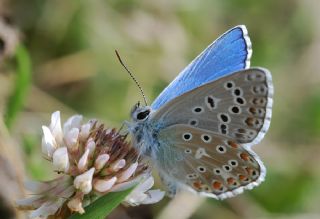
144,134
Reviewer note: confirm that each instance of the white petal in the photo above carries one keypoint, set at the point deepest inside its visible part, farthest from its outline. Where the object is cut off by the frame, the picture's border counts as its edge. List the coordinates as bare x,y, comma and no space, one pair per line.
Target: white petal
84,181
75,205
40,187
101,160
84,131
141,195
125,185
101,185
117,165
153,196
82,164
49,144
72,122
48,208
145,185
137,196
61,159
71,139
30,203
36,187
91,145
128,172
135,199
55,127
68,192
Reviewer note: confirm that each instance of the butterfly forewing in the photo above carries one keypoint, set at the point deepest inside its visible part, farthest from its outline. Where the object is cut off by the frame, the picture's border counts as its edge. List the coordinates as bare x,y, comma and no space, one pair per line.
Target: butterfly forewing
207,162
229,53
237,106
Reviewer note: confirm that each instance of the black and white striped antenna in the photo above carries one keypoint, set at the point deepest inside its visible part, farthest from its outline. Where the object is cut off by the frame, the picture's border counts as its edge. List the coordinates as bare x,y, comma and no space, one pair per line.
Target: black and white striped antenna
133,78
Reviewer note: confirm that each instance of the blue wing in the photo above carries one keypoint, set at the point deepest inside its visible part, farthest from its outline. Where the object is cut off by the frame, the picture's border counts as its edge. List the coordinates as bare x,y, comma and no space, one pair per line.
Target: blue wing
229,53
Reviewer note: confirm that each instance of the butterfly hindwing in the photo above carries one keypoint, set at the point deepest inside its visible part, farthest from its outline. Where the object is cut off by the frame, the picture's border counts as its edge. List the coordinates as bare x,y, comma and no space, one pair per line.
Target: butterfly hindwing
237,106
207,163
229,53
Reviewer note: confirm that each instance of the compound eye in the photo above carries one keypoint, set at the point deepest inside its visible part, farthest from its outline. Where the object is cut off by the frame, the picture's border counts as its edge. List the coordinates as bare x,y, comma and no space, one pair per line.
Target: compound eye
143,115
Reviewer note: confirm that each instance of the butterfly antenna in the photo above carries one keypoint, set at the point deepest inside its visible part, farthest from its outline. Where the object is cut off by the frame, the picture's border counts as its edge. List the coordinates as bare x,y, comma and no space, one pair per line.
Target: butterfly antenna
133,78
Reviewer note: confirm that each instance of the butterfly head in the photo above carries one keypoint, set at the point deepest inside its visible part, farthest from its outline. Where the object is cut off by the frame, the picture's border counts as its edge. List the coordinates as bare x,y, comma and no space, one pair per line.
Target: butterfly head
140,113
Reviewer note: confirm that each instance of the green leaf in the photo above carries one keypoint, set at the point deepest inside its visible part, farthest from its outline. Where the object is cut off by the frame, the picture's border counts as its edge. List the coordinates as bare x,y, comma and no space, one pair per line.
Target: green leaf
16,99
103,206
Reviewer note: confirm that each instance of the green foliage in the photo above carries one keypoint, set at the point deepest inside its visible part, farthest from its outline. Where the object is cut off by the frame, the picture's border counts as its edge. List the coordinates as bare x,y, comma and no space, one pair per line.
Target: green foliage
103,206
305,127
37,167
288,191
22,82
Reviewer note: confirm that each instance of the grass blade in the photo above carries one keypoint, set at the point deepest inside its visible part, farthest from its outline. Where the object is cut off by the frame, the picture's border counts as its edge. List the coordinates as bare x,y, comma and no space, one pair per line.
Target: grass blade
103,206
23,79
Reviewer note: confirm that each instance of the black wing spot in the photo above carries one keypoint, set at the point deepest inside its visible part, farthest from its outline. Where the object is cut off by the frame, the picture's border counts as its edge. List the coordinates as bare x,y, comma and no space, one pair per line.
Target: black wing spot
235,109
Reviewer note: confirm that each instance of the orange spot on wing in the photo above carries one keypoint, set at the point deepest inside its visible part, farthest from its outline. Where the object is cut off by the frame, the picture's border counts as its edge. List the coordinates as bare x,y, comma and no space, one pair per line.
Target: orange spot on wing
197,185
232,144
216,185
243,178
231,181
244,156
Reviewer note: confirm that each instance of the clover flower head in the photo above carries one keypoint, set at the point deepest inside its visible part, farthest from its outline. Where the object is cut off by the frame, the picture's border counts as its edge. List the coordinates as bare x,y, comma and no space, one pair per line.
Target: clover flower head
92,161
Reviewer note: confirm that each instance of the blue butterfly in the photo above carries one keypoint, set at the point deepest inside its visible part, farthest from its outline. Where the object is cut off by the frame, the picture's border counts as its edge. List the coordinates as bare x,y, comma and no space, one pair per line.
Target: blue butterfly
200,129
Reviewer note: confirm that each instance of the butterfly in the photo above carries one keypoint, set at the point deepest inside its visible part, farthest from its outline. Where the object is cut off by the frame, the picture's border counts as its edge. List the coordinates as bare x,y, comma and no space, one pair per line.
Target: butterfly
199,131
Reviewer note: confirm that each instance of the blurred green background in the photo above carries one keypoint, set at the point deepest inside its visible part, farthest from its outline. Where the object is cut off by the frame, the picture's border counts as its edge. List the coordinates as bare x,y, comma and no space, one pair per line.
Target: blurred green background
75,70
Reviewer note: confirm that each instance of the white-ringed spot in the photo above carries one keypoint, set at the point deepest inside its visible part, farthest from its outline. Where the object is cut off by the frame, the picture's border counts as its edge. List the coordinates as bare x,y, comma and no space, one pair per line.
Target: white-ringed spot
233,163
221,149
211,102
224,117
235,109
237,92
227,168
201,169
192,176
193,122
206,138
240,100
228,85
198,110
224,129
188,151
187,136
254,173
217,171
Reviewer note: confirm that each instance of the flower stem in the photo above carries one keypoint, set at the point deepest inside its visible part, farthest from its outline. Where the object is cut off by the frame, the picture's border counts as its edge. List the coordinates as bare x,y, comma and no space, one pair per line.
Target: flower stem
22,83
